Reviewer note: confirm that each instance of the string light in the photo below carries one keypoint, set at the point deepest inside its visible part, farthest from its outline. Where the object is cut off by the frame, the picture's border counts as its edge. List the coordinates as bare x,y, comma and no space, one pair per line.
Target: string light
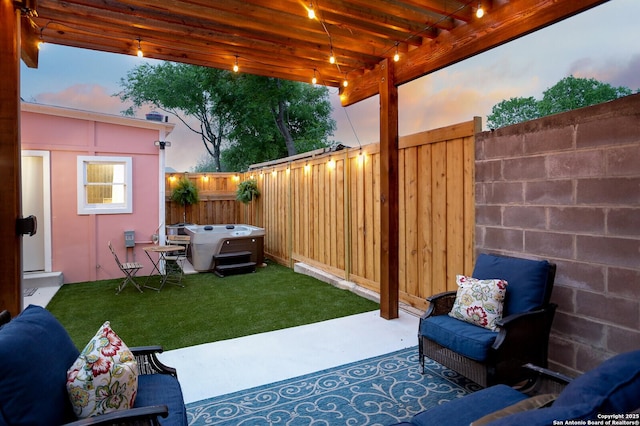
314,80
140,54
310,12
41,41
312,15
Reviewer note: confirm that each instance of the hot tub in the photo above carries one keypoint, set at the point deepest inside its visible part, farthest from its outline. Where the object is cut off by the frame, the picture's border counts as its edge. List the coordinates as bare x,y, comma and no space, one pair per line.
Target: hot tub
210,240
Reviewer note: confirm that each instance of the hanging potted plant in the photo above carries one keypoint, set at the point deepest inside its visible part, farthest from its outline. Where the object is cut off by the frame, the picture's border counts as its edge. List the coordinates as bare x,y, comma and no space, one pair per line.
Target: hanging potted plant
247,191
185,193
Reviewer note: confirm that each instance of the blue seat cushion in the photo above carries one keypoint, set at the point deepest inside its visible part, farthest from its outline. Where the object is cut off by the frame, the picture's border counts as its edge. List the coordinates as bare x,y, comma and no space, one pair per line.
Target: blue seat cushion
611,388
459,336
527,280
162,389
463,411
35,353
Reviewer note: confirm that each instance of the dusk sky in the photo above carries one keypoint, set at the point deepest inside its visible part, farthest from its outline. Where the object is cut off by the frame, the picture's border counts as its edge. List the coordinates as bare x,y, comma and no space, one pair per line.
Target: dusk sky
602,43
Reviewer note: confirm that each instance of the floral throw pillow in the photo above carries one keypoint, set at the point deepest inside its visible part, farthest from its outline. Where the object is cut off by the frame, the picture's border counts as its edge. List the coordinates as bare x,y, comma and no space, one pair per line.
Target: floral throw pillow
104,378
479,302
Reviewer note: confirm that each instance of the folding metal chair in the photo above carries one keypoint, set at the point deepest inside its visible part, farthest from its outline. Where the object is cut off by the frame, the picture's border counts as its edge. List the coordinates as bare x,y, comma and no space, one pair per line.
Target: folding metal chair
129,269
175,263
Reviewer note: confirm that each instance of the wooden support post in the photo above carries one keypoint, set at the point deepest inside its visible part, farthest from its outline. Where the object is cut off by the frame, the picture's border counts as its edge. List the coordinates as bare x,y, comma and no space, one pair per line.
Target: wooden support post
10,208
389,211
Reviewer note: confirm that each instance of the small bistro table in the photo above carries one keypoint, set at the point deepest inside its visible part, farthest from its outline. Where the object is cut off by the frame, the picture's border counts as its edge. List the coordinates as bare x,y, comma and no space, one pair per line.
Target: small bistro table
161,264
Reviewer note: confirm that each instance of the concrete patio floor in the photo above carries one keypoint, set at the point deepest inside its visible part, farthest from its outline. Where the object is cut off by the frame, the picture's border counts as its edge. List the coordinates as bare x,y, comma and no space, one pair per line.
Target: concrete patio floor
226,366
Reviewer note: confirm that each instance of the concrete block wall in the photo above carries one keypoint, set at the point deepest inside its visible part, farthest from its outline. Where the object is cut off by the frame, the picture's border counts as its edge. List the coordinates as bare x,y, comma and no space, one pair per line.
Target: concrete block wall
567,188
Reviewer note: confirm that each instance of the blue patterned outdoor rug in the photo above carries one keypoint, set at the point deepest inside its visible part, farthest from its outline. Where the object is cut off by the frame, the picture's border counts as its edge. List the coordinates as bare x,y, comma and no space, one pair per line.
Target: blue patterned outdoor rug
377,391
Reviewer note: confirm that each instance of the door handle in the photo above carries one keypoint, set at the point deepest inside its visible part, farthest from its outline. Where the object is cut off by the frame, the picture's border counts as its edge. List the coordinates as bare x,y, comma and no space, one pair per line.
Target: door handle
27,225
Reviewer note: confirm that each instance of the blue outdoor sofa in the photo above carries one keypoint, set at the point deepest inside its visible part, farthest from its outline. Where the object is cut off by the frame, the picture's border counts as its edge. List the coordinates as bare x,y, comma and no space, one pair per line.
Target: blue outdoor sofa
35,354
609,392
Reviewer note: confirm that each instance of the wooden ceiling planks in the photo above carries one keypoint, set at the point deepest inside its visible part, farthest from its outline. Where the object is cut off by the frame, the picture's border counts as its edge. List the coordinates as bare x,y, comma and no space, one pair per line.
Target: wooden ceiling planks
276,38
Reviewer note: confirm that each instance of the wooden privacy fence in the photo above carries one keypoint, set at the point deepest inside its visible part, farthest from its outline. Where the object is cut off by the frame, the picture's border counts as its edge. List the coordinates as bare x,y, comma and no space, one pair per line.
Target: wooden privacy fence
217,193
325,211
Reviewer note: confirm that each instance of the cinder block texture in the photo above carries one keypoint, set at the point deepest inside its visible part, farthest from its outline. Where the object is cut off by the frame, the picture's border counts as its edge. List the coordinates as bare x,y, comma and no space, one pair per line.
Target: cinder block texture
567,188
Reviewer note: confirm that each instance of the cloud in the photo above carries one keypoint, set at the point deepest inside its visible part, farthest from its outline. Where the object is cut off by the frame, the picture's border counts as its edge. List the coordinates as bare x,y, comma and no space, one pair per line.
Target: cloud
89,97
364,116
616,71
186,147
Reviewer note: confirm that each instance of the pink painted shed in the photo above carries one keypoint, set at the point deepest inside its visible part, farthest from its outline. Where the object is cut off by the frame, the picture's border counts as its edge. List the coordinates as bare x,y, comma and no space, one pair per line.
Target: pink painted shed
89,177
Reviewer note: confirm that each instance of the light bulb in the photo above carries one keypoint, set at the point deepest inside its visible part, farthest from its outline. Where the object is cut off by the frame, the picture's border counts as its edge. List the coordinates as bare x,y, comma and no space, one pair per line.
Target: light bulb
235,65
40,44
332,59
396,57
310,11
480,11
140,54
345,83
314,80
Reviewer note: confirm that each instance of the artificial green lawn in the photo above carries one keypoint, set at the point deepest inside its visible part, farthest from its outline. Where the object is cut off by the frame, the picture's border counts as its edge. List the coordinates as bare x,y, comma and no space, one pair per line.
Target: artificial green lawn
207,309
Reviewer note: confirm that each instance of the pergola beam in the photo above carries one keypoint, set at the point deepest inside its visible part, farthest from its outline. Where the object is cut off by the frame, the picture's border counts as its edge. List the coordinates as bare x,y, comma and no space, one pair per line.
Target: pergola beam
503,24
10,208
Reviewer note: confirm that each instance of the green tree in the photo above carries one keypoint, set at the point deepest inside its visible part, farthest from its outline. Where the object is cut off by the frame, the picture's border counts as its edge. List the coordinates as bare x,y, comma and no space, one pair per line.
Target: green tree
255,118
571,93
204,164
567,94
183,91
275,118
514,110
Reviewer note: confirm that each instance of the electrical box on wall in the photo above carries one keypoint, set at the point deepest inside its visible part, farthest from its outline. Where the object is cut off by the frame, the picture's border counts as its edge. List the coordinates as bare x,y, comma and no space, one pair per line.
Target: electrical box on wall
129,238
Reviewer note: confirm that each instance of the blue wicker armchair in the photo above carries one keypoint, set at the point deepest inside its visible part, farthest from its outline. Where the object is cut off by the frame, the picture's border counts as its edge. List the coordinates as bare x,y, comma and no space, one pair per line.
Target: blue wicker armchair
489,357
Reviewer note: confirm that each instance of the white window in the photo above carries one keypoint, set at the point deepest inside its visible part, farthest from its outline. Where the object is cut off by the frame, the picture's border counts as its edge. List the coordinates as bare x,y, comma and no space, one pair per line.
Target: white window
104,185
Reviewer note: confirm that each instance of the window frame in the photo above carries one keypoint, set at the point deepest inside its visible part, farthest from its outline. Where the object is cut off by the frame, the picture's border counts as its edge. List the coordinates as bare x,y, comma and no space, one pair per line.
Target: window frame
85,208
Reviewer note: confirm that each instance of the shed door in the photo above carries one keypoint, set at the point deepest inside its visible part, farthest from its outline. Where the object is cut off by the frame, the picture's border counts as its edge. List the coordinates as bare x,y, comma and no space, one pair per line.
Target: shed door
33,203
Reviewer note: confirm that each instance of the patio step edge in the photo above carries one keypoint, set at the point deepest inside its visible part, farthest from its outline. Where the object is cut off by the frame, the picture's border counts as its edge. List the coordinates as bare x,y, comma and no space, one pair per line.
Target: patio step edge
338,282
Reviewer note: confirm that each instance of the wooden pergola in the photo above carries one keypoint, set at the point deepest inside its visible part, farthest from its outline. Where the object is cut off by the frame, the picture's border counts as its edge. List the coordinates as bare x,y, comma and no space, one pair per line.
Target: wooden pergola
350,44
